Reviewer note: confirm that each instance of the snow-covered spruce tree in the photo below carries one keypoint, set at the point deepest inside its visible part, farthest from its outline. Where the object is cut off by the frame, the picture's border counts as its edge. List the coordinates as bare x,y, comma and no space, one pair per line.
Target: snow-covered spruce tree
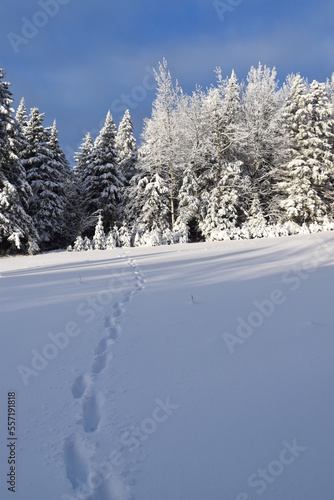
81,168
110,240
22,113
82,158
45,174
186,225
124,236
320,152
159,138
78,245
128,162
220,179
330,94
256,225
67,190
153,218
127,148
104,181
259,136
223,204
99,238
306,181
134,200
16,227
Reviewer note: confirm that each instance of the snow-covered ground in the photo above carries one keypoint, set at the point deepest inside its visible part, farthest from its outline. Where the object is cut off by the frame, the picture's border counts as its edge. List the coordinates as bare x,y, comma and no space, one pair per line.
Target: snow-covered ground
188,372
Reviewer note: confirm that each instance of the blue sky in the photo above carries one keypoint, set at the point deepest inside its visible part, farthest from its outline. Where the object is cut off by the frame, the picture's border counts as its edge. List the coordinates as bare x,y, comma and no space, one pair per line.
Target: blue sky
88,56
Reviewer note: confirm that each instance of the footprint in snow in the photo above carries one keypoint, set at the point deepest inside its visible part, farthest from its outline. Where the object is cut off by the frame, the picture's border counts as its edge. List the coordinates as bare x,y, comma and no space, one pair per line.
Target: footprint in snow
100,362
91,411
76,462
80,385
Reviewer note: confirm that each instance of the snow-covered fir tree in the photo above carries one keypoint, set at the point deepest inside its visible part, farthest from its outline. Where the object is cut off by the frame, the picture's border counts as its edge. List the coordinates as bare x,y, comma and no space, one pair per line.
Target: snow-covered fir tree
67,189
127,147
22,113
306,186
155,202
222,205
16,227
99,238
82,158
103,183
45,174
84,221
188,207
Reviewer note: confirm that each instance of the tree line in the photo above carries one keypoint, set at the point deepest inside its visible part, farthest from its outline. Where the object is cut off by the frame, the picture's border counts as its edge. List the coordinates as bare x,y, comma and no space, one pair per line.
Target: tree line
235,160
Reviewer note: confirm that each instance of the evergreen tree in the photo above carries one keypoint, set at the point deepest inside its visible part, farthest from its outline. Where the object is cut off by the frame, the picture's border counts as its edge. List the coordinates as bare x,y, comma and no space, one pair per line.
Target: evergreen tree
99,239
84,221
104,181
15,224
66,191
82,158
126,147
306,185
155,204
188,207
222,205
22,113
45,176
134,199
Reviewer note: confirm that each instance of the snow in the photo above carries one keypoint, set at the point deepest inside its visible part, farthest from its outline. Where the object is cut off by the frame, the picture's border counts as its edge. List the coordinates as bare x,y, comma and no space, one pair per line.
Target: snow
146,396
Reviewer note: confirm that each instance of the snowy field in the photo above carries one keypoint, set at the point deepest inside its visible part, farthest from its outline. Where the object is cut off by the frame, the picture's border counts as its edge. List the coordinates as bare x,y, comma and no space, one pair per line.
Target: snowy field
186,372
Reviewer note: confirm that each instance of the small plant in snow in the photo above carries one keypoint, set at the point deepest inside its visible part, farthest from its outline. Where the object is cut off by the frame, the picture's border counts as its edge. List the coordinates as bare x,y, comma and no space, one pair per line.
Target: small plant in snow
87,244
99,239
79,244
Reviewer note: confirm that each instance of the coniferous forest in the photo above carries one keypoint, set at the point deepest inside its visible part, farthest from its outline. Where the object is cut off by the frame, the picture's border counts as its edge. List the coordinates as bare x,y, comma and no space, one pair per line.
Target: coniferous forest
236,160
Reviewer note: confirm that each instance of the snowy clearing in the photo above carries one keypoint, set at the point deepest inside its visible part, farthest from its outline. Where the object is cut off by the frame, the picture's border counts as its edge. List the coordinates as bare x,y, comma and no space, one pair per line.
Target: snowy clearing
184,372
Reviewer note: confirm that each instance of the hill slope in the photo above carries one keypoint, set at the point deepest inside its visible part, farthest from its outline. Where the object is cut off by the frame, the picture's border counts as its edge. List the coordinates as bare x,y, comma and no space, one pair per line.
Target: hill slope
199,371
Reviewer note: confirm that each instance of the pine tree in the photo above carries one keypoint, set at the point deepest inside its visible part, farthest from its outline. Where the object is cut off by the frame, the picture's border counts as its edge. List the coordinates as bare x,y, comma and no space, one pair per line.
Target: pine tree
188,207
127,148
82,158
22,113
134,200
223,205
66,191
99,239
306,185
155,204
84,221
104,181
15,224
45,176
